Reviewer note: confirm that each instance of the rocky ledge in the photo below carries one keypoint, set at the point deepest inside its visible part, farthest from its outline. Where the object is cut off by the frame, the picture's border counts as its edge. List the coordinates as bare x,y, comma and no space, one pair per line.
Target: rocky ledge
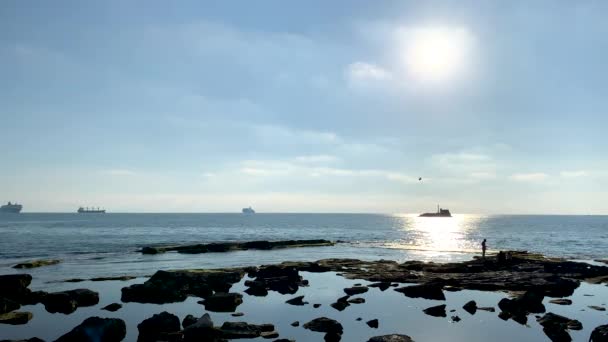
220,247
37,263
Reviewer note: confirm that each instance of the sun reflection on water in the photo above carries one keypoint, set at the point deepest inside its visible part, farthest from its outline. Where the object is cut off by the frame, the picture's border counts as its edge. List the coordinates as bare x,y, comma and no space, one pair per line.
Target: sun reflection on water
459,233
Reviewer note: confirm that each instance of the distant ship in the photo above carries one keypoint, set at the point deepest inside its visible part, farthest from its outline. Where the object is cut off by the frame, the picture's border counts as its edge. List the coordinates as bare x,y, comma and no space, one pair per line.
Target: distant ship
11,208
440,213
248,211
82,210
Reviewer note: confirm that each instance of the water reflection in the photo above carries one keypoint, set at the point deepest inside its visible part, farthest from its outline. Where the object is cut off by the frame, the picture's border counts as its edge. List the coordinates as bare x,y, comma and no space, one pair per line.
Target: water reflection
459,233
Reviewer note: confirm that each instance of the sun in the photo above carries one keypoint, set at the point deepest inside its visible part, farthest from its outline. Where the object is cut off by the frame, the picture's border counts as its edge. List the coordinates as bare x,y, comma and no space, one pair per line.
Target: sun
436,54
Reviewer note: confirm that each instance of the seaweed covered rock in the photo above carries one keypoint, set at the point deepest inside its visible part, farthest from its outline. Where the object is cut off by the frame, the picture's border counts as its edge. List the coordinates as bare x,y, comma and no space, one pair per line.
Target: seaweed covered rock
158,327
175,286
96,329
15,318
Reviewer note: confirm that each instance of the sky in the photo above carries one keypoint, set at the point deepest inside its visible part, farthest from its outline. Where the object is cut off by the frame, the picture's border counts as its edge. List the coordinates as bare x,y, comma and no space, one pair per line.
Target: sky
310,106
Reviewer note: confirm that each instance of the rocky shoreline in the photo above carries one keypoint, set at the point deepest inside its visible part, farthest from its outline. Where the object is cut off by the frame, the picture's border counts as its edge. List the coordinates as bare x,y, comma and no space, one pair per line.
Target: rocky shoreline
222,247
527,277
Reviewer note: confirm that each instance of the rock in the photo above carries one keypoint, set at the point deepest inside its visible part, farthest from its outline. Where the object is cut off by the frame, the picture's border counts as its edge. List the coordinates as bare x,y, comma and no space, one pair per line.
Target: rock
238,314
426,291
436,311
175,286
96,329
284,279
66,302
341,303
112,307
296,301
455,319
232,330
14,287
269,334
235,246
324,324
470,307
357,300
332,337
121,278
518,308
223,302
7,305
33,339
189,320
157,327
561,301
391,338
486,308
37,263
15,318
295,324
316,306
202,330
351,291
452,288
373,323
598,308
599,334
359,319
381,285
555,326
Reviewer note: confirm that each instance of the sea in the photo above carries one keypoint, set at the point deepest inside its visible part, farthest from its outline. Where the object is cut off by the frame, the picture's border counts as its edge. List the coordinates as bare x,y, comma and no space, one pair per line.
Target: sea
105,245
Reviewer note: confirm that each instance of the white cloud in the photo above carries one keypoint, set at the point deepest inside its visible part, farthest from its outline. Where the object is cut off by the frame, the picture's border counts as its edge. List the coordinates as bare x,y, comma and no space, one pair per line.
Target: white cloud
529,177
118,172
362,73
574,174
314,159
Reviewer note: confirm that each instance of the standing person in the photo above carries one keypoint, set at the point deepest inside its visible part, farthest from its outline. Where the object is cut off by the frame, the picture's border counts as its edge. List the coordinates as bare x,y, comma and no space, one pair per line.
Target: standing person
483,248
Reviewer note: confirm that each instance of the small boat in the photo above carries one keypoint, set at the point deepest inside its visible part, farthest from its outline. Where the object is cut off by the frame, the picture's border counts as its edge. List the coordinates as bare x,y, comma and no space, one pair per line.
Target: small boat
82,210
12,208
248,211
440,213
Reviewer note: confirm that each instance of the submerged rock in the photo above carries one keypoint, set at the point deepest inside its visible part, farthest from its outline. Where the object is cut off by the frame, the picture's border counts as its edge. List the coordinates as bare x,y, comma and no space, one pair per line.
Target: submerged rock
296,301
15,318
96,329
37,263
470,307
157,327
66,302
112,307
436,311
324,324
599,334
426,291
391,338
223,302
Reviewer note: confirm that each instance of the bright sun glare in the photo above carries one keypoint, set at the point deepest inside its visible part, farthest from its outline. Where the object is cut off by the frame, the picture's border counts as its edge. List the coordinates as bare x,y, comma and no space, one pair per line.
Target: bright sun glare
436,54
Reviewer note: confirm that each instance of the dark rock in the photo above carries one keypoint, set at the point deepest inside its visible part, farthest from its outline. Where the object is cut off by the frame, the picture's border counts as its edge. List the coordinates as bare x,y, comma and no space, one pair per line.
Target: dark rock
381,285
436,311
296,301
121,278
452,288
324,324
391,338
561,301
521,306
284,279
359,319
96,329
316,306
238,314
157,327
426,291
340,305
599,334
235,246
37,263
598,308
15,318
223,302
486,308
269,334
112,307
189,320
66,302
332,337
555,326
202,330
455,319
7,305
14,287
355,290
295,324
232,330
470,307
357,300
33,339
373,323
174,286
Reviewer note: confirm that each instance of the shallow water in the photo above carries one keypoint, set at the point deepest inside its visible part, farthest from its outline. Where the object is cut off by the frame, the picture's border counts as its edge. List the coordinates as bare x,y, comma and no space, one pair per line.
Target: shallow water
395,312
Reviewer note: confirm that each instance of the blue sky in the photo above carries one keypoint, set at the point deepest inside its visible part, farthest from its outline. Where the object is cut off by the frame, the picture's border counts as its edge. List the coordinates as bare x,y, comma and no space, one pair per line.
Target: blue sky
209,106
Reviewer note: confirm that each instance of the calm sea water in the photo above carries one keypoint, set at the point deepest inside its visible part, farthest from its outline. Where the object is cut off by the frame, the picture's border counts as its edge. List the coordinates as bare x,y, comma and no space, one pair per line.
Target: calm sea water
107,244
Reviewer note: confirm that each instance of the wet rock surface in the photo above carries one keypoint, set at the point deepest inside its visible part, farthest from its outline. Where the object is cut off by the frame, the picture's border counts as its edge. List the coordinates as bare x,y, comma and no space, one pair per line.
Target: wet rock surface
391,338
66,302
158,327
176,286
36,263
15,318
96,329
222,247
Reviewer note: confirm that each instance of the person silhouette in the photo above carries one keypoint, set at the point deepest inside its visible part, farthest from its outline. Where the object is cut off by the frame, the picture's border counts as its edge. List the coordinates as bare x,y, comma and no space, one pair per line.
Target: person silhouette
483,248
